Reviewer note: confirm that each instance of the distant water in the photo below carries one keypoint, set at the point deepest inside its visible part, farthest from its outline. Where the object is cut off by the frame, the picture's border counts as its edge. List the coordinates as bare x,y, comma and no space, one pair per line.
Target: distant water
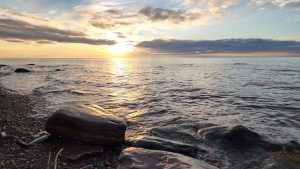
260,93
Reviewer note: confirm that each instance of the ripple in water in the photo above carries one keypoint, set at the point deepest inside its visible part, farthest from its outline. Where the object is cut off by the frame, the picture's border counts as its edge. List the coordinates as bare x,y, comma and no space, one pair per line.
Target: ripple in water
172,97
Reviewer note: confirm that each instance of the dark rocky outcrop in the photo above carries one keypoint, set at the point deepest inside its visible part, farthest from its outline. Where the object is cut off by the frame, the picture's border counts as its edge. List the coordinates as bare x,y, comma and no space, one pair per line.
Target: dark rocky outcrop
1,65
57,70
31,64
155,143
22,70
235,135
139,158
87,124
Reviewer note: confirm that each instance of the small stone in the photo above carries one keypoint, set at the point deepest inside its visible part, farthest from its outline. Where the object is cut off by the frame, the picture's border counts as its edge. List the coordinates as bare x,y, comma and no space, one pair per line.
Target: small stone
3,134
22,70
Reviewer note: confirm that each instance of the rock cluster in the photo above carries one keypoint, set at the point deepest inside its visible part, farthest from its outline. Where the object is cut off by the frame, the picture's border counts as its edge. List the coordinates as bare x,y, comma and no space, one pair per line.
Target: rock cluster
94,127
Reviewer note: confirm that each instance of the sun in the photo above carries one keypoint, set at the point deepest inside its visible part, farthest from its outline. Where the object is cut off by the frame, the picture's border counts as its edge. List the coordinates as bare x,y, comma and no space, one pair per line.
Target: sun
124,45
121,47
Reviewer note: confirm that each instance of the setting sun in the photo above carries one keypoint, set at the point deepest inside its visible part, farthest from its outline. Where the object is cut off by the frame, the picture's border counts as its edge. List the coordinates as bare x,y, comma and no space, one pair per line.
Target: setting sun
121,48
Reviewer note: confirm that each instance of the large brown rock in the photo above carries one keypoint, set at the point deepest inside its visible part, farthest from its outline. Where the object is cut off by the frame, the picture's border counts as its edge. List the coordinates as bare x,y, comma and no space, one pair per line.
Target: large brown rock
89,124
138,158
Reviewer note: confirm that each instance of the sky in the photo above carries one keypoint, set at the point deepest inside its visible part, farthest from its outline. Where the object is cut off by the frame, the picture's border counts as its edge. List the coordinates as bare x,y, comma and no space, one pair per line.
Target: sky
117,28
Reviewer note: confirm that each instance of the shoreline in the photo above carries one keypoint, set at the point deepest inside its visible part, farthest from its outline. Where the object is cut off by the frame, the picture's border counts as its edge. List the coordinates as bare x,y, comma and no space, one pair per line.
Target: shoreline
15,120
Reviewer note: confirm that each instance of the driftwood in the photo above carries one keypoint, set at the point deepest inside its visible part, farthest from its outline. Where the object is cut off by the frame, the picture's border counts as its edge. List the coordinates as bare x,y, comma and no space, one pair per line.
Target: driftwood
25,144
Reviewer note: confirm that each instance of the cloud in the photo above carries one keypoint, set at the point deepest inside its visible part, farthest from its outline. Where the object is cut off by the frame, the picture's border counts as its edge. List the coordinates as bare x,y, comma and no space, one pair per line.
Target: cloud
21,16
110,19
20,30
220,46
132,14
118,19
277,3
173,16
214,7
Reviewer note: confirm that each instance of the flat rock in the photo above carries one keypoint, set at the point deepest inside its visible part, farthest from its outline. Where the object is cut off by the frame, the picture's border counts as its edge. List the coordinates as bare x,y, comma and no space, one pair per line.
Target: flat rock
236,135
89,124
75,152
138,158
22,70
155,143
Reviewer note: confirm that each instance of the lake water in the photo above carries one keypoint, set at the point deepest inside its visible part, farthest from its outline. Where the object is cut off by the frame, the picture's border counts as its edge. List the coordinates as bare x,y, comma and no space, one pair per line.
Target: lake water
262,94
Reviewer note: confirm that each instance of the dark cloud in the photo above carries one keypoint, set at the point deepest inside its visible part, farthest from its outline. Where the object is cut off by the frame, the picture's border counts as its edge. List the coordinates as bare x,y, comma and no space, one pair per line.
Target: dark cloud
107,25
20,30
220,46
120,35
175,16
15,40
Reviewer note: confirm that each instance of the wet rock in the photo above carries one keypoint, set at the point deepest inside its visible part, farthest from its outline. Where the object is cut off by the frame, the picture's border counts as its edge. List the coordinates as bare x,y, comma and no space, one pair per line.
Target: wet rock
75,152
292,146
87,124
139,158
155,143
236,135
173,132
22,70
31,64
1,65
57,70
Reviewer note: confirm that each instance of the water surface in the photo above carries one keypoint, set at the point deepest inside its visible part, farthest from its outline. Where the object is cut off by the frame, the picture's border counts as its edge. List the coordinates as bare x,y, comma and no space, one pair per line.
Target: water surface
260,93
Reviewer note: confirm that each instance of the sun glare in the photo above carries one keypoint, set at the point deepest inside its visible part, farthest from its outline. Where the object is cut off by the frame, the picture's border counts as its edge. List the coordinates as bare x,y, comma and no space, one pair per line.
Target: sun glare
120,48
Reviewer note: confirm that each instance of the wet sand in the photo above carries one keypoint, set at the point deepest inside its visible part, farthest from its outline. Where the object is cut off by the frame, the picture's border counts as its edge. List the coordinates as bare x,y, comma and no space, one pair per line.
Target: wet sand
15,120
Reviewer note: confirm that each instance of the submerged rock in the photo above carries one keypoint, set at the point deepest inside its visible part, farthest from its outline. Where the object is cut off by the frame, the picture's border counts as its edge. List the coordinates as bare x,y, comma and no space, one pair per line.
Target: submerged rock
22,70
87,124
155,143
139,158
236,135
75,152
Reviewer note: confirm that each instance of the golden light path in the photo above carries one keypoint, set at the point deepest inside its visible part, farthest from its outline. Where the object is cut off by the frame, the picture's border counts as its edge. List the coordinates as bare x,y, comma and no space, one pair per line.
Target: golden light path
123,74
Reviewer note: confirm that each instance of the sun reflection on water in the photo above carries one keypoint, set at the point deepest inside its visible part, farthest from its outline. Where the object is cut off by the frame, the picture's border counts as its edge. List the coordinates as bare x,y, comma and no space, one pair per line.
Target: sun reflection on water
119,66
126,90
